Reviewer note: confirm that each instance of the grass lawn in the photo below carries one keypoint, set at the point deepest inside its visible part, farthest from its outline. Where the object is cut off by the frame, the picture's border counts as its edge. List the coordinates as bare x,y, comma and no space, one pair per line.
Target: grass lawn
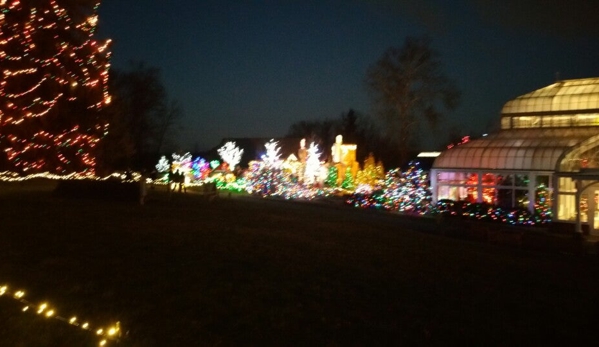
244,271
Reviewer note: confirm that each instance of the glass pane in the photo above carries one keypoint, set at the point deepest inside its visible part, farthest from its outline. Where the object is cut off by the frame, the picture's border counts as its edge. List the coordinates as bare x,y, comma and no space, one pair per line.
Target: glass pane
566,185
456,177
504,198
542,179
521,198
521,181
584,207
567,211
490,195
471,195
488,179
505,180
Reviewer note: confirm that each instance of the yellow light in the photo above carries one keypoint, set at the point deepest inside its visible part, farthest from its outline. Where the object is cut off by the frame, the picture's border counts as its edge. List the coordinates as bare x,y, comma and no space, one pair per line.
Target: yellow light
25,308
85,325
50,313
19,294
42,308
73,320
103,342
99,331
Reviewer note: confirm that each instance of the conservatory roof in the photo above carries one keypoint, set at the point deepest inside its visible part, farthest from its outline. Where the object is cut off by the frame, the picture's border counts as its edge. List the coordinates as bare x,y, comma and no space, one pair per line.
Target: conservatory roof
516,149
561,97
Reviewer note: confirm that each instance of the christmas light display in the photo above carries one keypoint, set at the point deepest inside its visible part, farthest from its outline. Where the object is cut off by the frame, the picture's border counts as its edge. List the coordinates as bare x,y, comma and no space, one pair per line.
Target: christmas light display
406,192
312,164
44,309
272,157
200,168
163,165
348,180
231,154
270,177
53,84
332,177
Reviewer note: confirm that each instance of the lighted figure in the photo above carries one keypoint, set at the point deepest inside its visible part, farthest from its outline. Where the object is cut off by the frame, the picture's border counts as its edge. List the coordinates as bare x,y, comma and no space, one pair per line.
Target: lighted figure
230,154
344,156
302,153
53,84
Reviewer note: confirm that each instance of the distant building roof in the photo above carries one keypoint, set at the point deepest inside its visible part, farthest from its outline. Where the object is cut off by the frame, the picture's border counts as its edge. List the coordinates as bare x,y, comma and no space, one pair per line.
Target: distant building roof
549,129
580,96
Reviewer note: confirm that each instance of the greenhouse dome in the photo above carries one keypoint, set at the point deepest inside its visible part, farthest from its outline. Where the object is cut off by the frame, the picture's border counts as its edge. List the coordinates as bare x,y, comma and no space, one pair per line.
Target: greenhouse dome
549,139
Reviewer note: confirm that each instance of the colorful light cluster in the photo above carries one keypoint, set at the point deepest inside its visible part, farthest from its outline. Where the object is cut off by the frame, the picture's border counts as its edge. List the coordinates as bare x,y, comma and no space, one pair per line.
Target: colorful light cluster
489,213
53,84
289,179
44,309
407,192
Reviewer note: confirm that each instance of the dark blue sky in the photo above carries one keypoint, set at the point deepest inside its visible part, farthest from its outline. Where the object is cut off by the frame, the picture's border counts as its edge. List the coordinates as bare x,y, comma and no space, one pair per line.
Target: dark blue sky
252,68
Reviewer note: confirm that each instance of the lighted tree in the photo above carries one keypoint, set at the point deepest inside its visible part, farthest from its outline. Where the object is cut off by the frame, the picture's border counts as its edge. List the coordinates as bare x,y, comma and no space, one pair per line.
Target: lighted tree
163,165
312,164
348,180
543,204
332,176
408,191
53,87
272,157
230,154
371,173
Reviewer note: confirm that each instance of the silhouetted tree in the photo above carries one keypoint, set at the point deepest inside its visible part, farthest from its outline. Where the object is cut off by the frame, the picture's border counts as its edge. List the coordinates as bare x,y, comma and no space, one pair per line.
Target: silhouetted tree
141,116
408,87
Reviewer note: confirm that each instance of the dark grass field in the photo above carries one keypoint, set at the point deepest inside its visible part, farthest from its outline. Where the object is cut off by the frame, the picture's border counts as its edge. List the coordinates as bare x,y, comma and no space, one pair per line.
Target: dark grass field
186,271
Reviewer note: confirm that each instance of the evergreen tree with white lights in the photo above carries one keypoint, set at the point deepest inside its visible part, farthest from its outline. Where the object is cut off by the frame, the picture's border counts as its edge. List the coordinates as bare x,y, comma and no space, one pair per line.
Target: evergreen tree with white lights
312,164
53,87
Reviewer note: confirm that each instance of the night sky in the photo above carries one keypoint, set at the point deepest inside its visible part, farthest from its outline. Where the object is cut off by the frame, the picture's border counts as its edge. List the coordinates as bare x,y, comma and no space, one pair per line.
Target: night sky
252,68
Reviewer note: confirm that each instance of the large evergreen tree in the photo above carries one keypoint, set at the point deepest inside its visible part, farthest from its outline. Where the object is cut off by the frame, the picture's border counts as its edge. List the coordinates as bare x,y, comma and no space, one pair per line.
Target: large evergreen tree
53,86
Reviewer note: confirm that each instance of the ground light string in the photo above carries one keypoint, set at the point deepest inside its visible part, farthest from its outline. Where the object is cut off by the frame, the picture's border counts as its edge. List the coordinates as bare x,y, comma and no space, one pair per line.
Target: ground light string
112,333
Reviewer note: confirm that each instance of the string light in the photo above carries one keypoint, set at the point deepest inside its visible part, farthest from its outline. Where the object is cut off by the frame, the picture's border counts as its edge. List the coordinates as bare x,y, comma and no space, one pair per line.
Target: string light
49,83
44,309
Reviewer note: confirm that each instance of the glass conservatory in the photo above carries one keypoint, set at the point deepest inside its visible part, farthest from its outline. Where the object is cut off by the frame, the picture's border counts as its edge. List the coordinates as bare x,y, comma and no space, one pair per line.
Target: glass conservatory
549,141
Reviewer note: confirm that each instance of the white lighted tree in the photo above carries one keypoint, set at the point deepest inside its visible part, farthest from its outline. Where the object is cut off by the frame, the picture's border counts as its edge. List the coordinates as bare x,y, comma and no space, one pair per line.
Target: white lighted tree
230,154
272,157
163,165
312,164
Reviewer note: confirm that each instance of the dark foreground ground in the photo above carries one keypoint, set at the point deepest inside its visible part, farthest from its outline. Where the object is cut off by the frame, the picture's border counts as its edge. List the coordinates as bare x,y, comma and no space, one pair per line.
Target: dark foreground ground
244,271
